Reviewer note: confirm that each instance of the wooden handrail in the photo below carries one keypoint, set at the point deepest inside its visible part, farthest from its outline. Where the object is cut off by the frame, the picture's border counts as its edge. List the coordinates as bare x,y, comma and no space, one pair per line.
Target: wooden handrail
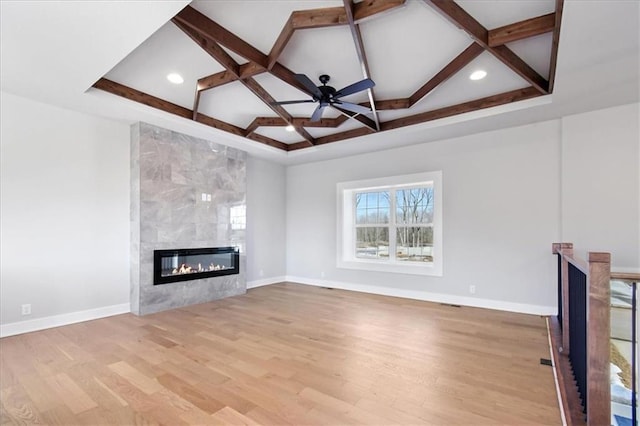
626,276
565,250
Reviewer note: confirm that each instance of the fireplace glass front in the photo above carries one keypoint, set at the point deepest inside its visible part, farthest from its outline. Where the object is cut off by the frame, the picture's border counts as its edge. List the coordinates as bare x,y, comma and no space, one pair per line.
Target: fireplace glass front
191,264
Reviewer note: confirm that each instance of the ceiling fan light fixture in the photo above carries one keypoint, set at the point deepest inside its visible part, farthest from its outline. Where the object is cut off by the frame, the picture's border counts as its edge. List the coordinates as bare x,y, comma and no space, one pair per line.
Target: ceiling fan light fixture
289,128
478,75
175,78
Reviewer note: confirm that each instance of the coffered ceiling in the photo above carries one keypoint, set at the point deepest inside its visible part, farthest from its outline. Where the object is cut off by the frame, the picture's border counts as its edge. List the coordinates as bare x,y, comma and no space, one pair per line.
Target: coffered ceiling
544,59
238,58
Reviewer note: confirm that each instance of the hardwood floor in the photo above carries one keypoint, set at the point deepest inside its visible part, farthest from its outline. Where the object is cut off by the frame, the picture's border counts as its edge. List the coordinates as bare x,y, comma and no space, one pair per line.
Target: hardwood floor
285,354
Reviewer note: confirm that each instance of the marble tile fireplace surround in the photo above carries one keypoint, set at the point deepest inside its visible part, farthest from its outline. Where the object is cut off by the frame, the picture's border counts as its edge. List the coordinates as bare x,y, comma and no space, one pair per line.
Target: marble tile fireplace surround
186,193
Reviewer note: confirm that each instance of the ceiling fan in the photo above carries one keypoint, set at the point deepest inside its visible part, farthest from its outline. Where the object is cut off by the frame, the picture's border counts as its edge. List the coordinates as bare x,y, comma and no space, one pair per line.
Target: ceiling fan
328,96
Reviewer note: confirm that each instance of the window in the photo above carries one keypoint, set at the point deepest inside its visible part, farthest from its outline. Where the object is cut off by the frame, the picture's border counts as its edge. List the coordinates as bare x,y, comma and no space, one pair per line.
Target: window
391,224
238,217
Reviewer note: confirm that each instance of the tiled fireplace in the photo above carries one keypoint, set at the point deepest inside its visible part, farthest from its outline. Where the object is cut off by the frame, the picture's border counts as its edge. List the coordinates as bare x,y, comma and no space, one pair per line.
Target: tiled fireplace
187,196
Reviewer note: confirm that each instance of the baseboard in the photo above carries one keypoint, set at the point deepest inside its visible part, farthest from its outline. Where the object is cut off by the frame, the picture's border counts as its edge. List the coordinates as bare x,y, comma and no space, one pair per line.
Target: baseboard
36,324
498,305
265,281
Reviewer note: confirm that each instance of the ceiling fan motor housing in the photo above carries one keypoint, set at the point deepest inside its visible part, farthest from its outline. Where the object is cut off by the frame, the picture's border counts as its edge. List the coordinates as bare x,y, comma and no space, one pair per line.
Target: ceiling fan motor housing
327,93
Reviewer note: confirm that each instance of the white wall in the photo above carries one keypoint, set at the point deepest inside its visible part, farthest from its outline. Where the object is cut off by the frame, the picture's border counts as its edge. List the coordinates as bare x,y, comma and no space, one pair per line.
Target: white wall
507,194
501,214
266,222
64,214
601,184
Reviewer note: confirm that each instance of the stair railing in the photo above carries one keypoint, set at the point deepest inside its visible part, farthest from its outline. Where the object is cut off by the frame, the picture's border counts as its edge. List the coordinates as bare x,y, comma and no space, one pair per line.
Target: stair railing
581,340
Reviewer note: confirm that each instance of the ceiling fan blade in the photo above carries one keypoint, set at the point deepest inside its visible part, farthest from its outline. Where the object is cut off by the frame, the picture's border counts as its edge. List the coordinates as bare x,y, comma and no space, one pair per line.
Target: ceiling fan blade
361,85
304,101
309,85
352,107
317,114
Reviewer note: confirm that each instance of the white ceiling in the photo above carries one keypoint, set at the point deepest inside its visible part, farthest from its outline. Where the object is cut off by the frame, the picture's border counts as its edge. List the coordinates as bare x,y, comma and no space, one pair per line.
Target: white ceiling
54,51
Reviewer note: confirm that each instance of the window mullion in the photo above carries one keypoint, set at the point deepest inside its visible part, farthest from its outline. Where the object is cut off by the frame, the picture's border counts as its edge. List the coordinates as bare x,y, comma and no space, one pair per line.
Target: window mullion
392,226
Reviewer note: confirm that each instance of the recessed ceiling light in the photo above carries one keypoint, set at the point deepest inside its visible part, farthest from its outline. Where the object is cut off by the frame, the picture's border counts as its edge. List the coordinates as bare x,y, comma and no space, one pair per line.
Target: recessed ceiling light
290,128
175,78
478,75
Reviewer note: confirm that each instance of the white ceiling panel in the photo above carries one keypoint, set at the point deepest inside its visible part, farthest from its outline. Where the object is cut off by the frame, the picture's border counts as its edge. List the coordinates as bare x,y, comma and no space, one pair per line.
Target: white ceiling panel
408,47
167,51
498,13
258,22
535,51
318,132
459,88
279,134
320,51
233,103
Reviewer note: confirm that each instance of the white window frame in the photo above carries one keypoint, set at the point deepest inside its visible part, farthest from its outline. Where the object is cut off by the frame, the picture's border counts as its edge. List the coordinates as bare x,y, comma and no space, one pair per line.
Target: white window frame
346,229
238,217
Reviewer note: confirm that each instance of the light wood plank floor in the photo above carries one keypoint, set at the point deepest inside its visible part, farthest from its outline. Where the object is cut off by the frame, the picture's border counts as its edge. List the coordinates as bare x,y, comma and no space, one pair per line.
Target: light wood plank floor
285,354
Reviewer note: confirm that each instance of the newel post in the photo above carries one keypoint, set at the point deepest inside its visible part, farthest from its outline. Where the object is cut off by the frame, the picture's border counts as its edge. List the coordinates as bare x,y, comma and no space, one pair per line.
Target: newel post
565,249
598,333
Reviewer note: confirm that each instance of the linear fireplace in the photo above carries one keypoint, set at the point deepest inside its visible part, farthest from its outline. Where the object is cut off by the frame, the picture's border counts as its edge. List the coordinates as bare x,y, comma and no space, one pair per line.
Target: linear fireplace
170,266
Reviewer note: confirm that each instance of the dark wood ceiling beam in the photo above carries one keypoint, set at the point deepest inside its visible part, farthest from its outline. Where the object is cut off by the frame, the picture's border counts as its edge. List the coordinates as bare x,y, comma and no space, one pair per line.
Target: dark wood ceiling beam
369,8
302,122
296,146
286,75
362,59
359,117
206,27
219,124
215,80
261,93
325,17
354,133
154,102
268,141
142,97
387,104
223,77
475,105
555,43
459,62
281,42
253,126
196,104
324,122
318,18
250,69
212,48
268,122
459,17
521,30
199,28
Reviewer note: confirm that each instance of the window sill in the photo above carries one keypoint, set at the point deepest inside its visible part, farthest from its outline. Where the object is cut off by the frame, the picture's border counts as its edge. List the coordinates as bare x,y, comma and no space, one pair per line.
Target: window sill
430,269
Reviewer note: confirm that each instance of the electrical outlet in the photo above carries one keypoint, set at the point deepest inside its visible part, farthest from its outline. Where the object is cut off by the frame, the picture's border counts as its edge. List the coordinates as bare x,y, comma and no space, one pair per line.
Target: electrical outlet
26,309
322,274
472,289
261,273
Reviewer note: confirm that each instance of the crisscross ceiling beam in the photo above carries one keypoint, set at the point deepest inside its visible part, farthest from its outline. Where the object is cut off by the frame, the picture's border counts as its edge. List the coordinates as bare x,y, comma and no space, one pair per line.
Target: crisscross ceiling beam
555,43
521,30
213,39
362,58
459,62
197,30
459,17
